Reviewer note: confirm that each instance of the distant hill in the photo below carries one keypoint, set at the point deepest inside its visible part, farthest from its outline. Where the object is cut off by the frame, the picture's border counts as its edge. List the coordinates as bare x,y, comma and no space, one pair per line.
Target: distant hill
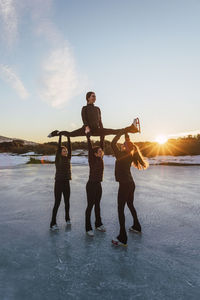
189,145
4,139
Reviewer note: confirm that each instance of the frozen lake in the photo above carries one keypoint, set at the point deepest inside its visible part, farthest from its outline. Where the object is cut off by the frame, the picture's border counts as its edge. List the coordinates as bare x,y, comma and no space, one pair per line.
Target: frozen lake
162,263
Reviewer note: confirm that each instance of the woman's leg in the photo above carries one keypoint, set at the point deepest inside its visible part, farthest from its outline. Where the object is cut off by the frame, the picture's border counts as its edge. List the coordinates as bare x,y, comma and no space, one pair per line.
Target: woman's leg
66,193
109,131
77,132
94,132
122,197
105,131
90,204
98,194
130,205
99,131
57,194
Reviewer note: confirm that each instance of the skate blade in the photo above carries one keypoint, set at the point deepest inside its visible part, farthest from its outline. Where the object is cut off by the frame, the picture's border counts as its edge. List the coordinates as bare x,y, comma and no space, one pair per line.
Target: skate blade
119,244
135,231
100,230
138,125
53,229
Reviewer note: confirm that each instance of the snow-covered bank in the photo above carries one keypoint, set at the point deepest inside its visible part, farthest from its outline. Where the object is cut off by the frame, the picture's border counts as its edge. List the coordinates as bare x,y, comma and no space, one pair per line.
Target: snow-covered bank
79,157
11,160
4,139
182,160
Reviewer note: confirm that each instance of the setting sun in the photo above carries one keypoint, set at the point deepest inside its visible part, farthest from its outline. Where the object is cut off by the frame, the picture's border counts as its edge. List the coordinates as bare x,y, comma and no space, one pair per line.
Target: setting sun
161,139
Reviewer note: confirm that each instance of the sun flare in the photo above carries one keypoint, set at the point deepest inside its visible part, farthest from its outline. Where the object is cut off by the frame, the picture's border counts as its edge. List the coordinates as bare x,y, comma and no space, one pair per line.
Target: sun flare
161,139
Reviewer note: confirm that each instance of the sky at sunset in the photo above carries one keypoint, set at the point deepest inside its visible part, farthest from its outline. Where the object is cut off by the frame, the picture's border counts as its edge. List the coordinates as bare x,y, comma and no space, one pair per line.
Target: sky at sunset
140,57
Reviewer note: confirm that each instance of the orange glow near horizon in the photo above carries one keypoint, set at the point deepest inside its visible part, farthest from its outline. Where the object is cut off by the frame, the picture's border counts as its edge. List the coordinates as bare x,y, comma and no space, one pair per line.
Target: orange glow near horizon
161,139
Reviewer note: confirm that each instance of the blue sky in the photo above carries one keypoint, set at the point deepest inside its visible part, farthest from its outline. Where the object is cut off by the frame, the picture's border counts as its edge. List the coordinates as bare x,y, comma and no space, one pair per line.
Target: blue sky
140,57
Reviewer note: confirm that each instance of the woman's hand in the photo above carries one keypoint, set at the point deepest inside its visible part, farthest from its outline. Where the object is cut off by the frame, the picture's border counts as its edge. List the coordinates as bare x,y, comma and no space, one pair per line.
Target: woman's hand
87,129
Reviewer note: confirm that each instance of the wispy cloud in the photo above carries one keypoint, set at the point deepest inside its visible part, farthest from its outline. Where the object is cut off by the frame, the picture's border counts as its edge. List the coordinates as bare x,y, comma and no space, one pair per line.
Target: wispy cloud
9,76
9,21
60,80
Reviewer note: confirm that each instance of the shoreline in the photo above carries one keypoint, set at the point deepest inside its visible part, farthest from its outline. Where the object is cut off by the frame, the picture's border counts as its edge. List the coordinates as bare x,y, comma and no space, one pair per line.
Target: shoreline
9,161
84,165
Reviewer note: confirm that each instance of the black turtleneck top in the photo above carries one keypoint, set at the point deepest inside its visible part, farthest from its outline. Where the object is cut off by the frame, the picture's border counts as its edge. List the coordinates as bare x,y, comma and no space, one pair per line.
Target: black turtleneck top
91,116
63,163
95,163
123,162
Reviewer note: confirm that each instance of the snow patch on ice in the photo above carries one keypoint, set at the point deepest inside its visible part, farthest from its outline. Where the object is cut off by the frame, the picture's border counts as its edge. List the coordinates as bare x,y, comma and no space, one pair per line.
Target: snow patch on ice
79,158
29,154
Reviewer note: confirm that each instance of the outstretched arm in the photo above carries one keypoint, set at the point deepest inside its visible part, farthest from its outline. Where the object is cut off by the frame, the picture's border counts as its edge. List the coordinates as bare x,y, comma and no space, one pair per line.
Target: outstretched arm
69,147
116,151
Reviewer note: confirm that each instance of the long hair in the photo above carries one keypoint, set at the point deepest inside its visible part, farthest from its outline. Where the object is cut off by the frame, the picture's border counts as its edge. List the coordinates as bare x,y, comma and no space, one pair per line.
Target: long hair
139,161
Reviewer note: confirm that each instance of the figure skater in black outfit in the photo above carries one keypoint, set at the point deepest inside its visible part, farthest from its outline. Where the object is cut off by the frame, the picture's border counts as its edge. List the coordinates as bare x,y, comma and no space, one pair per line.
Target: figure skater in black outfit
62,178
93,187
92,123
127,156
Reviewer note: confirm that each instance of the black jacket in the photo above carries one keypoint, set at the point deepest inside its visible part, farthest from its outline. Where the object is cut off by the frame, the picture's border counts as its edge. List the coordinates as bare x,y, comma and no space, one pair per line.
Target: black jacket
63,163
123,162
91,116
95,163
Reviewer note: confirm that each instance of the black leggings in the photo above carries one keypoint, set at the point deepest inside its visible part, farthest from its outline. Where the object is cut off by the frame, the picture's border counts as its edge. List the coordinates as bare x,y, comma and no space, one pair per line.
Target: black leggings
126,195
94,192
94,132
61,187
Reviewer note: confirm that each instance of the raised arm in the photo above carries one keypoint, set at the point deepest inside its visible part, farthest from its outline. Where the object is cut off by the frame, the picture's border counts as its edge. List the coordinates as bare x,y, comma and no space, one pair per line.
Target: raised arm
102,142
59,149
69,147
90,150
116,151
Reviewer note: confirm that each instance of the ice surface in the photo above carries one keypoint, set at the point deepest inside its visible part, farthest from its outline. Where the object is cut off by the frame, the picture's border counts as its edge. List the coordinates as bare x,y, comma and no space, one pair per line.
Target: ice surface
162,263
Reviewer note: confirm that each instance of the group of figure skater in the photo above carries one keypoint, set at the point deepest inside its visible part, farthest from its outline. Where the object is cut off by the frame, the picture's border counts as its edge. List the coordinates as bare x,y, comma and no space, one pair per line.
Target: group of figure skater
128,155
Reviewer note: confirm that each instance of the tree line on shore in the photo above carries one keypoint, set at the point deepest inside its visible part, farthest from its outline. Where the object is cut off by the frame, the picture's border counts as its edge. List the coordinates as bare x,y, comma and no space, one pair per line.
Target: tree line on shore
189,145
